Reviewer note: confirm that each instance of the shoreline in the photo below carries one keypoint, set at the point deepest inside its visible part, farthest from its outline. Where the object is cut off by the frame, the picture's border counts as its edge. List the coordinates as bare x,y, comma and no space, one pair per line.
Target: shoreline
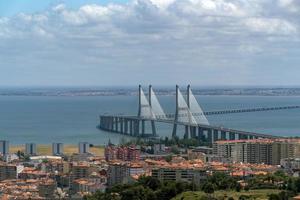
46,149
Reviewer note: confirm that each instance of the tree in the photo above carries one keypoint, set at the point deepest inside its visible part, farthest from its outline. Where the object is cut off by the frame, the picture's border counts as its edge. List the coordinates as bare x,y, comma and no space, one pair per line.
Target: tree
208,188
137,193
238,187
297,184
148,181
274,197
174,149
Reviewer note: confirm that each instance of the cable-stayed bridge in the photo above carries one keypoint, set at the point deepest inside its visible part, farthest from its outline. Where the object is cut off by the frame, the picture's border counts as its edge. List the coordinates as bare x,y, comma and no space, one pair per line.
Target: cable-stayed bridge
188,113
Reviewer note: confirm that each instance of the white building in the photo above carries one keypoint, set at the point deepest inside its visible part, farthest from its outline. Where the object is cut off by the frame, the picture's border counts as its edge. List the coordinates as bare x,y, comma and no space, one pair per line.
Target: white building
4,147
57,149
84,147
30,149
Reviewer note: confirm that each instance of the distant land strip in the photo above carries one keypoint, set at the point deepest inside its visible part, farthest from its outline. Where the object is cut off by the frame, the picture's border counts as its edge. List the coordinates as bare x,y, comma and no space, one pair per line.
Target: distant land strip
158,91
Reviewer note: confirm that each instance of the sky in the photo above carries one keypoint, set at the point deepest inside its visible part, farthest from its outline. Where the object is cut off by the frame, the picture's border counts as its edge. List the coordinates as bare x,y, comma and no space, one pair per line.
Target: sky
159,42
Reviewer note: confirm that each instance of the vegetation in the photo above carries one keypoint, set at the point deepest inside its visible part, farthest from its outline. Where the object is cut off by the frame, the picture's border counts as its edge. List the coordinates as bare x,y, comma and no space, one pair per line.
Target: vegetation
147,188
277,186
231,195
184,142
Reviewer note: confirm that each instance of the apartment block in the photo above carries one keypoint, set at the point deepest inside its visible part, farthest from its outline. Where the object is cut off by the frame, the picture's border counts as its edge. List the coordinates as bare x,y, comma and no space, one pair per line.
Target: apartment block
267,151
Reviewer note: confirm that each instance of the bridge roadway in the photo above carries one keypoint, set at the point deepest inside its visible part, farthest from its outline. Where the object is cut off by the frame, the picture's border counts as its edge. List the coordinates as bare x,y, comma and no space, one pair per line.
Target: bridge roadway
135,126
220,112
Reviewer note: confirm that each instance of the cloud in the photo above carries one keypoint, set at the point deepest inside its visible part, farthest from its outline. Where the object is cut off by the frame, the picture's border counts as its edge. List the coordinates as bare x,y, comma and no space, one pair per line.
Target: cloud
149,40
271,26
290,5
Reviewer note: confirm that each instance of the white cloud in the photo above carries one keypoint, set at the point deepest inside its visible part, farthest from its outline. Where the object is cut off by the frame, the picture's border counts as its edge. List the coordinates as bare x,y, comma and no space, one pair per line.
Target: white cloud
290,5
271,26
144,38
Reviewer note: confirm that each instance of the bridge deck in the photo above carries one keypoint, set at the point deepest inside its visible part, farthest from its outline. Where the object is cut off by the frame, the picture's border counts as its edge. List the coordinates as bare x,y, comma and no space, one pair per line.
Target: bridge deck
170,120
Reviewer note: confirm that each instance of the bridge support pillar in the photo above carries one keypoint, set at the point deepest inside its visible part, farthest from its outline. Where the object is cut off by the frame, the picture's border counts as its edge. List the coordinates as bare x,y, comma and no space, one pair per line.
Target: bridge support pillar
143,127
126,126
215,135
186,132
130,127
136,127
250,137
209,136
193,131
231,136
117,123
240,137
200,134
153,128
223,135
121,126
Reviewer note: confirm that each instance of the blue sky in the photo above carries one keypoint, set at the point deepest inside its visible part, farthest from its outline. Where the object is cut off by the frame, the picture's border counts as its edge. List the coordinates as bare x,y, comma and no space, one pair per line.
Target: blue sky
162,42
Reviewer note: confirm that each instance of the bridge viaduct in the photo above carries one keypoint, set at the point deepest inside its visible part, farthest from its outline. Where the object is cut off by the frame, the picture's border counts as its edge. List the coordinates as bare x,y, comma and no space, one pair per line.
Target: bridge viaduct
188,113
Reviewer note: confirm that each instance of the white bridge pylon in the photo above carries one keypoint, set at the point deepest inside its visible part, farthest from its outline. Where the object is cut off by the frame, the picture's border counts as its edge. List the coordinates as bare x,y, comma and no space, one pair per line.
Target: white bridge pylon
195,109
151,108
187,110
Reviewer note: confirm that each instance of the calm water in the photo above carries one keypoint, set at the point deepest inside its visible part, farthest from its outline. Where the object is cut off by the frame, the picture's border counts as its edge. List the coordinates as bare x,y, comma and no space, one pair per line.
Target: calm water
74,119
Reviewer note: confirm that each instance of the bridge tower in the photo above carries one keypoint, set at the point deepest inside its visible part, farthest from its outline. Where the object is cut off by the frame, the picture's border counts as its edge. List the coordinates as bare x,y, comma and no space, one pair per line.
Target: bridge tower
182,113
145,111
150,93
195,108
176,113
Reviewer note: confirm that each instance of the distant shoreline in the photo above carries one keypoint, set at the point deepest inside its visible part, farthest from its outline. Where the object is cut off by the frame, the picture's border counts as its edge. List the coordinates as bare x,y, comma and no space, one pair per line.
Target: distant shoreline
46,149
67,92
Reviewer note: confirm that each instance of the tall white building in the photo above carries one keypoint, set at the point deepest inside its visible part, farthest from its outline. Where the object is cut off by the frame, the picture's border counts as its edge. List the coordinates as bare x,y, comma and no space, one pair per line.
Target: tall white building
84,147
4,147
30,149
57,148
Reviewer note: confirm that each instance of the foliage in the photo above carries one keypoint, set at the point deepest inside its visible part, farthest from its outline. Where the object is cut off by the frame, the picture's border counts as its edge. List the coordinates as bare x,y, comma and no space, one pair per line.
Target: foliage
146,188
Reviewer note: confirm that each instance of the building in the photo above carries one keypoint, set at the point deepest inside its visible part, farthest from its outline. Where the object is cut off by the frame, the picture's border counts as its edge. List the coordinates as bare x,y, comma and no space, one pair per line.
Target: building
180,174
47,188
193,154
80,170
32,173
291,165
57,149
87,185
4,147
121,172
84,147
9,171
267,151
125,153
30,149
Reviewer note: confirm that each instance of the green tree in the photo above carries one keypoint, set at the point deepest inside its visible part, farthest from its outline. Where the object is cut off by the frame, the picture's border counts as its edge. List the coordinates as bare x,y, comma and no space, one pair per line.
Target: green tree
150,182
297,184
274,197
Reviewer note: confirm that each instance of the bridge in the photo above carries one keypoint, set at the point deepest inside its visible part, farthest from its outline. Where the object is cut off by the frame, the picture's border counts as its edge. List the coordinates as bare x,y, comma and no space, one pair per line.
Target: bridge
188,113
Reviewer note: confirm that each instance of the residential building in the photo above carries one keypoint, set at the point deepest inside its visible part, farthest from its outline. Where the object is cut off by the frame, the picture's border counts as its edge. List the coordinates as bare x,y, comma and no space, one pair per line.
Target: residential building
120,172
180,174
87,185
84,147
125,153
80,170
268,151
30,149
291,165
47,188
9,171
57,149
4,147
